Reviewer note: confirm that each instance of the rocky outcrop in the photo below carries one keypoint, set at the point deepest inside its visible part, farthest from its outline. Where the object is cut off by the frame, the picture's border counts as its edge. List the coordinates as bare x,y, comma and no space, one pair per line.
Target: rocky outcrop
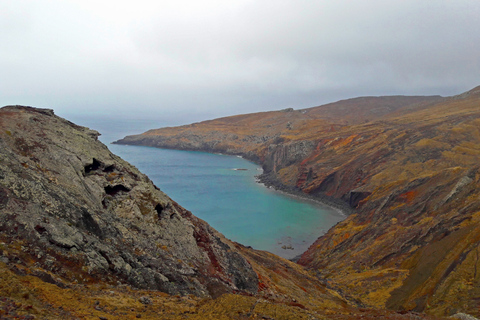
72,210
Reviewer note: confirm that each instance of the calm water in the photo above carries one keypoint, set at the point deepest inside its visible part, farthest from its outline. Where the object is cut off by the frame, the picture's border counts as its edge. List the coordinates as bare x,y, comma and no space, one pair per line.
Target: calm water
229,200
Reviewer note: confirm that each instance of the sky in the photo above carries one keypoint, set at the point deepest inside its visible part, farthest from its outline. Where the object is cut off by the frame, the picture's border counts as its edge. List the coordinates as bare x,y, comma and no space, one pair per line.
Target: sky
187,61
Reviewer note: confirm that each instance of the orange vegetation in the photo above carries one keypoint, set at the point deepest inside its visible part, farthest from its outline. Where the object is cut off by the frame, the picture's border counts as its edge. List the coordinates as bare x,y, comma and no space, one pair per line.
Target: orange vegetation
410,170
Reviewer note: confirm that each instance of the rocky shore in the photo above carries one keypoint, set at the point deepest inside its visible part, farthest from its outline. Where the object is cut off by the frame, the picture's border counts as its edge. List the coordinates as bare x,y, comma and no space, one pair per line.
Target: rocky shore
270,181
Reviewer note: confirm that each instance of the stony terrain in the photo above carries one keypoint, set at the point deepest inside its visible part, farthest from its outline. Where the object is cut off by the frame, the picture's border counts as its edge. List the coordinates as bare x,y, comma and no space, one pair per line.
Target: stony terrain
85,235
407,167
79,211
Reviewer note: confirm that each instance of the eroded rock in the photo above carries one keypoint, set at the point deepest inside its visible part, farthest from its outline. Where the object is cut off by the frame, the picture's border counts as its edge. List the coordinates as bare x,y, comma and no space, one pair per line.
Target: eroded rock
98,217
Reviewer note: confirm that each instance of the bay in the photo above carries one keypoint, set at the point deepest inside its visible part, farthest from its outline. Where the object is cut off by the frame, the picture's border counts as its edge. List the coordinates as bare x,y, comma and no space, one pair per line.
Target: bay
212,187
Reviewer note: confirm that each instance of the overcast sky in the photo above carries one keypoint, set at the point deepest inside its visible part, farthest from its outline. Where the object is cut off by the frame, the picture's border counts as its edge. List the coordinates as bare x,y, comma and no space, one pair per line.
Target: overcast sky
193,60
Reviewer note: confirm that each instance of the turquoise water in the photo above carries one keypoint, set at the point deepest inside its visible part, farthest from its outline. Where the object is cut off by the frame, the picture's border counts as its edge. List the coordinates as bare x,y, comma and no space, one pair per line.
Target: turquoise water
230,200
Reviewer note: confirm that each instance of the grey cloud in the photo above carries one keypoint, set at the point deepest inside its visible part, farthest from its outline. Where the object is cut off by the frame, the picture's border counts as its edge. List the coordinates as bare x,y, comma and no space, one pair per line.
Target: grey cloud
215,58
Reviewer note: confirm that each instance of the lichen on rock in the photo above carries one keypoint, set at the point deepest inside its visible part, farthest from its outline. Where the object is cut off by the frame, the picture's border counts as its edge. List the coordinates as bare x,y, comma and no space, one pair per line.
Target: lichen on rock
66,196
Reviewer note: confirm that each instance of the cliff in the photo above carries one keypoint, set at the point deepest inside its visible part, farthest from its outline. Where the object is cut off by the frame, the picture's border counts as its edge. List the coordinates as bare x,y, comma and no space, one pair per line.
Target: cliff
85,235
406,166
83,213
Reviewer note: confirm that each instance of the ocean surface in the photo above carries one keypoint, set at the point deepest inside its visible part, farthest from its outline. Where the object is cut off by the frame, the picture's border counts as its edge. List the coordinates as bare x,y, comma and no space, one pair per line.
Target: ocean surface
212,187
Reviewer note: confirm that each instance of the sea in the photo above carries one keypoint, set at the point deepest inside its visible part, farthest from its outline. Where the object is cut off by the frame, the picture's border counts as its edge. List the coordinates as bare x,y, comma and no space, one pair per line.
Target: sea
220,189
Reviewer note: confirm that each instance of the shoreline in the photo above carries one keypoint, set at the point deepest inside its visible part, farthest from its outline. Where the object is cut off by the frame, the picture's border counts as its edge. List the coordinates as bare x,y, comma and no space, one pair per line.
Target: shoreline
338,206
269,181
304,197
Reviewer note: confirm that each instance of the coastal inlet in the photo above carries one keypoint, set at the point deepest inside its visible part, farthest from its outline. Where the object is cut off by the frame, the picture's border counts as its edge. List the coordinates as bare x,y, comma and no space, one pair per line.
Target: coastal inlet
223,191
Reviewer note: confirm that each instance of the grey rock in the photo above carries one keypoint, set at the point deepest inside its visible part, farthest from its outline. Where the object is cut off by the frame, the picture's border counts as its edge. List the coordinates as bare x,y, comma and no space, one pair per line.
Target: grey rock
145,300
463,316
63,192
457,188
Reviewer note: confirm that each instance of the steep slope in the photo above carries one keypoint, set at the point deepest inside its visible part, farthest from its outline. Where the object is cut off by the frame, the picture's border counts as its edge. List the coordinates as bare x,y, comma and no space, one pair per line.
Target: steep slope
414,179
411,175
81,213
85,235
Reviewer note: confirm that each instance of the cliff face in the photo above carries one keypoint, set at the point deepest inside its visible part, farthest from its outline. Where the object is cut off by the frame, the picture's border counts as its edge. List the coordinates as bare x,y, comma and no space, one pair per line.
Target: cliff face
85,235
75,210
410,173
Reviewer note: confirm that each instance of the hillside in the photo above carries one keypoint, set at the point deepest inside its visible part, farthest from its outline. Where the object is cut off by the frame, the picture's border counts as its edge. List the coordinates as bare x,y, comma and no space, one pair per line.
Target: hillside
251,134
409,172
85,235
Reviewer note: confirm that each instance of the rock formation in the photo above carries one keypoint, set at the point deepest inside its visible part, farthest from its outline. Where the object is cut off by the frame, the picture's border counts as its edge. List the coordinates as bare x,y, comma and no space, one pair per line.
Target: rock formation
77,211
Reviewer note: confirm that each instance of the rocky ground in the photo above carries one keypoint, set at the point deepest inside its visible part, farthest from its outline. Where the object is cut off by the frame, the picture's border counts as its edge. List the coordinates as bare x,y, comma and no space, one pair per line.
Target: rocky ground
70,207
29,297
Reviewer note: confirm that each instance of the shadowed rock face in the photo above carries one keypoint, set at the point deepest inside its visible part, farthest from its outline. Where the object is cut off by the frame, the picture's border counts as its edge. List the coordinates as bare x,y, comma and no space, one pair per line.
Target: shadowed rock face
410,172
77,211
